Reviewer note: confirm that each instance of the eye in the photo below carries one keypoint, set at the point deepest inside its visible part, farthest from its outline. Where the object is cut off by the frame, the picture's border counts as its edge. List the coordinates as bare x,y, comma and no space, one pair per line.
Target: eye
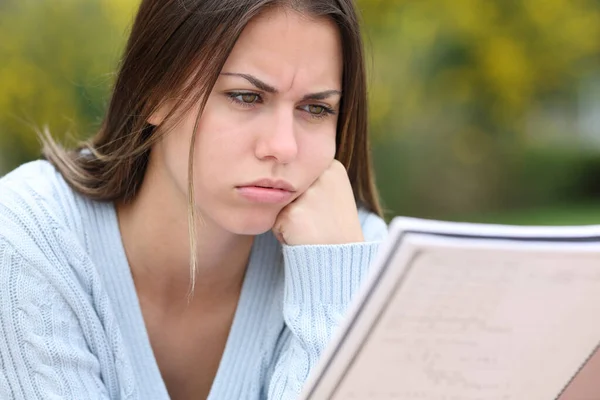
248,98
317,110
245,99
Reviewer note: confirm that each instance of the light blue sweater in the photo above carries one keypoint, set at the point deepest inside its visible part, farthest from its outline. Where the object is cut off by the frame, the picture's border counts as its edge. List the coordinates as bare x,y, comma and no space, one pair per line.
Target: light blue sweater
70,321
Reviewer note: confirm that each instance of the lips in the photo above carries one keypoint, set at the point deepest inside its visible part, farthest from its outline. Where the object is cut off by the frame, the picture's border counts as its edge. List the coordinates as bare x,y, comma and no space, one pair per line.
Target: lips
267,191
272,184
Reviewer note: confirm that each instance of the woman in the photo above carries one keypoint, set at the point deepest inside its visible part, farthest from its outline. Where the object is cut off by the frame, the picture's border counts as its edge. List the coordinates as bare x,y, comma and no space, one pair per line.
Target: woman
208,239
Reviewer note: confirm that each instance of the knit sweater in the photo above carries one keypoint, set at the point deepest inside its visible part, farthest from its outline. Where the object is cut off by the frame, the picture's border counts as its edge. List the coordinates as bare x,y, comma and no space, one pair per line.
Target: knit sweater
71,325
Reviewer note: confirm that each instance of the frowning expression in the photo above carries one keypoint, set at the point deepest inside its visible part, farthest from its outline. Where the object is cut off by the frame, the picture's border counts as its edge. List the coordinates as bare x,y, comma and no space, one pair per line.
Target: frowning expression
268,130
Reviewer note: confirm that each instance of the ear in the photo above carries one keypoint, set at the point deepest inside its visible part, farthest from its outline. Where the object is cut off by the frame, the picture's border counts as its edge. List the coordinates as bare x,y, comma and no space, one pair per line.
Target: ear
160,113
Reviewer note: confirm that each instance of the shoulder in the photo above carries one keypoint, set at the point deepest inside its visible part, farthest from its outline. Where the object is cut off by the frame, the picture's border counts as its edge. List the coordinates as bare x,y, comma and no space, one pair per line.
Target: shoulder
39,212
35,182
42,246
373,226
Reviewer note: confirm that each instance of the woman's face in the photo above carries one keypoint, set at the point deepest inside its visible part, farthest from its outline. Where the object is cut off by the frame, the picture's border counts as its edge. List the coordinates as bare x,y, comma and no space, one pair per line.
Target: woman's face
268,130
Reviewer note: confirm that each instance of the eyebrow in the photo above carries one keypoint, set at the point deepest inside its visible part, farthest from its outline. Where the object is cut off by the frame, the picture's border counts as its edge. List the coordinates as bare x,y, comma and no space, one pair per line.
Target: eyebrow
270,89
322,95
254,81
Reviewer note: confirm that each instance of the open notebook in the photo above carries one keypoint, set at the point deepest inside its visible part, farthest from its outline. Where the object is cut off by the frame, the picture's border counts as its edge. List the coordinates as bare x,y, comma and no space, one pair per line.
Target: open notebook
471,312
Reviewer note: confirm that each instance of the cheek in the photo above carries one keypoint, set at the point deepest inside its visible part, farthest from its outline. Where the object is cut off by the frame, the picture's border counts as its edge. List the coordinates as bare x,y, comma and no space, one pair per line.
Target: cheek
219,146
208,144
320,152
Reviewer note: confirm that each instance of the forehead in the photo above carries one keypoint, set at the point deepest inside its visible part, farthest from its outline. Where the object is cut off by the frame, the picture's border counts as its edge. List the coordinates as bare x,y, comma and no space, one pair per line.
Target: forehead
289,50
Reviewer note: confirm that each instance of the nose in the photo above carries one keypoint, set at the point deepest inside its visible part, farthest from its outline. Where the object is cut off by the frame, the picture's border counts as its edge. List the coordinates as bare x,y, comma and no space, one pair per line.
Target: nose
277,140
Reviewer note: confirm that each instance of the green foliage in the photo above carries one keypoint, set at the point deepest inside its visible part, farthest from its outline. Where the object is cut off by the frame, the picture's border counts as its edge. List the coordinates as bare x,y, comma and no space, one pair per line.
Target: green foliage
476,62
456,87
58,63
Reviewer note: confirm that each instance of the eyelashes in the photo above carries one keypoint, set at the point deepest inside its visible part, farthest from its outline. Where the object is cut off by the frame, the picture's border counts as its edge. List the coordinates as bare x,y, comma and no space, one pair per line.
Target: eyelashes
245,99
251,99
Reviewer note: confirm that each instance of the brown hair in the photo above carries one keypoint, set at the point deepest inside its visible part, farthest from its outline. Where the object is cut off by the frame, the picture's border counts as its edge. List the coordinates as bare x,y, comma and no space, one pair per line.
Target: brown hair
176,50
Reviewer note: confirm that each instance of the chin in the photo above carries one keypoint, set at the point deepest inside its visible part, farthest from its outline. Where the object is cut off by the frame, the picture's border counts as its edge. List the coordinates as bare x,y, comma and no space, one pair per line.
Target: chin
250,221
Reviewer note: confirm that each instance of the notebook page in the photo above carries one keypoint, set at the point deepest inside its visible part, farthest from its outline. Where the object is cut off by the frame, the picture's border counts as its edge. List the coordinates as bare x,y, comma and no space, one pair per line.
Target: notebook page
482,324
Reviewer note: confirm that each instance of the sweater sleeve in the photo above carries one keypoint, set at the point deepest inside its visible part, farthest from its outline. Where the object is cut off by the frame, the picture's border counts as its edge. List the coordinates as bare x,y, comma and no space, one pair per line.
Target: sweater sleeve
43,353
320,281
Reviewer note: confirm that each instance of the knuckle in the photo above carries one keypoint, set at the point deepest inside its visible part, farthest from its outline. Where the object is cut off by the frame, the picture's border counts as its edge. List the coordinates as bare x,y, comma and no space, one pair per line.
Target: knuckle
337,166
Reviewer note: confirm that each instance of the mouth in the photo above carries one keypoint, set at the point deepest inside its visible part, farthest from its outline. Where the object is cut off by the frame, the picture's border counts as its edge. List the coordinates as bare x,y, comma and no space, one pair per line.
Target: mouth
271,184
267,191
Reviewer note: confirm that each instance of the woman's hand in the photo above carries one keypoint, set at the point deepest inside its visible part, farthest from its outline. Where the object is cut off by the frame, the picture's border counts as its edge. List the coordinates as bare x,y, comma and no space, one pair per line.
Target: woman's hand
325,214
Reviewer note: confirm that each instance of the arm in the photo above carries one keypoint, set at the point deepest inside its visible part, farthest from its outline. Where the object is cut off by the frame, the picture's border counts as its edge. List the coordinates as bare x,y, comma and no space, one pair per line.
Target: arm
320,282
43,350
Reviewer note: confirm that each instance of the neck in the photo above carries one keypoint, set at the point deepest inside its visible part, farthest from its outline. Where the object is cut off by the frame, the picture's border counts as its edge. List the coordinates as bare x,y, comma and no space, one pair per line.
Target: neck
155,233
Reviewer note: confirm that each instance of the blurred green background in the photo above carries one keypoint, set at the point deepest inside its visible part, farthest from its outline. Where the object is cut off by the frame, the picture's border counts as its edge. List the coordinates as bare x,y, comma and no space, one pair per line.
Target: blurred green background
481,110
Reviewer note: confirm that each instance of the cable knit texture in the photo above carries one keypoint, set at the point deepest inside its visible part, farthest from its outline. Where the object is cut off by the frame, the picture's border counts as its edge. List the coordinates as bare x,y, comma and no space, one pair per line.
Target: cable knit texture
71,326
